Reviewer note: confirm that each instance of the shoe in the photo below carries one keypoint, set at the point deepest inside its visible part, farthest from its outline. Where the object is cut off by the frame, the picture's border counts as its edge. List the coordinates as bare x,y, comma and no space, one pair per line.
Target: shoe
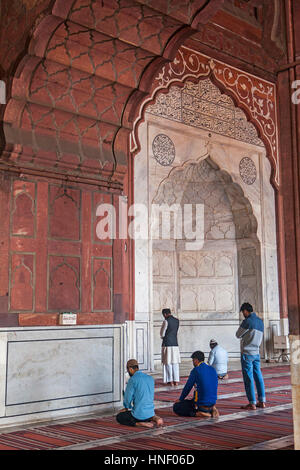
261,404
250,406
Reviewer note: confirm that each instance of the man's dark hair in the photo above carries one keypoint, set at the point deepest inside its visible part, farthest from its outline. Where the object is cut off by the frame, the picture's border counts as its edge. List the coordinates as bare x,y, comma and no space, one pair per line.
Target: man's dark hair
198,355
166,311
247,307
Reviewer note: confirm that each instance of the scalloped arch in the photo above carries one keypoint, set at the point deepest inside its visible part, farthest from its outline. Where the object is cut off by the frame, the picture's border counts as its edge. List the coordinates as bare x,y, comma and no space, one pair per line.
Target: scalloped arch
256,97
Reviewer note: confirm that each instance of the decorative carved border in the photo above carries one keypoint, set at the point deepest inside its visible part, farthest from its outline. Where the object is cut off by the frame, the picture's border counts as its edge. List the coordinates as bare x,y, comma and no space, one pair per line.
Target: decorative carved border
256,97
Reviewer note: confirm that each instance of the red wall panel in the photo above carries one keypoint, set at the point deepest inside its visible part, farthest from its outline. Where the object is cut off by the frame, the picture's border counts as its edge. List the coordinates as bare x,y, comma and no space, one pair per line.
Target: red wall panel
51,258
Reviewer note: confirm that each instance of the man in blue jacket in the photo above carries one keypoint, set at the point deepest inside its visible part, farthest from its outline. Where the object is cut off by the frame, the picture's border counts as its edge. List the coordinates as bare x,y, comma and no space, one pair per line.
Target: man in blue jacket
138,399
251,333
205,380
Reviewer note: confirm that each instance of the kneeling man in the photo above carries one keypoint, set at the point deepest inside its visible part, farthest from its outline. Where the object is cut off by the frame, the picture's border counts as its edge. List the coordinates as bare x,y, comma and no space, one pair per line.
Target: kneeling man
205,379
138,399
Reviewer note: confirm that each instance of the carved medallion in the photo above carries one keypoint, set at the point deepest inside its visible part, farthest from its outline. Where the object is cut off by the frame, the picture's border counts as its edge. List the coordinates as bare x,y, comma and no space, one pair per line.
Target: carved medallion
163,150
248,171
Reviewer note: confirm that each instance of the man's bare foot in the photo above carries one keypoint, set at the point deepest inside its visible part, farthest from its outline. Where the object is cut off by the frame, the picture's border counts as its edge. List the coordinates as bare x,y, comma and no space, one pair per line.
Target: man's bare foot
250,406
215,413
260,404
168,384
158,421
176,383
145,424
201,414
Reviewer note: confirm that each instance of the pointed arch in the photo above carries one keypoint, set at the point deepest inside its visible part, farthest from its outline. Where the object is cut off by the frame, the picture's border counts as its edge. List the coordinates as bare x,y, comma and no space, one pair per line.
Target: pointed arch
256,97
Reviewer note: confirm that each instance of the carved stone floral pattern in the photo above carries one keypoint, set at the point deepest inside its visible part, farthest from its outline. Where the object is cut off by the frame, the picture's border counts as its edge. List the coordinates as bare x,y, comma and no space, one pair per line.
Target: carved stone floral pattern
227,214
248,171
255,96
202,105
163,150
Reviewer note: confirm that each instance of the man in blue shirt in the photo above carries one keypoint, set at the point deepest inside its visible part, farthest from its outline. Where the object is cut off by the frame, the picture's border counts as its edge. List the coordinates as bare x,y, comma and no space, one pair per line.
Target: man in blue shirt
251,334
138,399
205,380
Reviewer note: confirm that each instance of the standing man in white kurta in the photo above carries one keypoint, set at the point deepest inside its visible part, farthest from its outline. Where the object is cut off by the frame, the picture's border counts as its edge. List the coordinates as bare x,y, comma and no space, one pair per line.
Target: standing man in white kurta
170,355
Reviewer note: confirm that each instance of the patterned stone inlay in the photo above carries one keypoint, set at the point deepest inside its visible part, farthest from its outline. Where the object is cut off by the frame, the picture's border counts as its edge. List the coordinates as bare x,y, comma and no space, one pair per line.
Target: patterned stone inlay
163,150
202,105
248,171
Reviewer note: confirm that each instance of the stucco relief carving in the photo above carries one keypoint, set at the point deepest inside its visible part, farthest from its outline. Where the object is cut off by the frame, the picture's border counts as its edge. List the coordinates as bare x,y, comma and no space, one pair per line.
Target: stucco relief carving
200,274
163,150
208,298
202,105
163,264
207,279
189,299
248,280
200,183
224,266
205,264
225,299
256,99
187,265
248,171
247,264
163,297
248,294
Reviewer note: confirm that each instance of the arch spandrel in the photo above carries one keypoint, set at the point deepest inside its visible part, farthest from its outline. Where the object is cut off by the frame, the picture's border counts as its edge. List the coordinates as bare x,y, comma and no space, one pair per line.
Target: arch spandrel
254,96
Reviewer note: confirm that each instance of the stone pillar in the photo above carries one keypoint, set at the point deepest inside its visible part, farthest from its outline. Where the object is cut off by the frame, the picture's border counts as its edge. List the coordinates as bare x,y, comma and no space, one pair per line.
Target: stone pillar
289,124
295,376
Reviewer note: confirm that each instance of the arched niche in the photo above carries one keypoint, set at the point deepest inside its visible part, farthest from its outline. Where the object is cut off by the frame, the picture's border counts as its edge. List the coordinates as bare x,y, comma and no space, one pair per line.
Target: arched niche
182,161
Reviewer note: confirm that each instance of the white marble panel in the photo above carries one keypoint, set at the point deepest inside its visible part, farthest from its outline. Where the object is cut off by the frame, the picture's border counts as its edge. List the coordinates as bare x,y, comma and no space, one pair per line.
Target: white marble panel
49,372
142,344
45,370
195,335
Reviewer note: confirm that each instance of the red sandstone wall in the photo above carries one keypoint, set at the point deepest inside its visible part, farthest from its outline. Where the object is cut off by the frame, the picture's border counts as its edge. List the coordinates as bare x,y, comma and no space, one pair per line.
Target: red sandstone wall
51,257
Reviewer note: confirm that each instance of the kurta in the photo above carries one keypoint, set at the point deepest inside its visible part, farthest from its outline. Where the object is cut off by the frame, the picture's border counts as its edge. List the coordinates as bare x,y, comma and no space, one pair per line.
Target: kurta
169,354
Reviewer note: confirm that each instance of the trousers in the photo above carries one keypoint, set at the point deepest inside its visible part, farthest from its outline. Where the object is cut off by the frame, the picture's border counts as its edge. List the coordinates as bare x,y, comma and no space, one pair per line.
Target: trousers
127,419
171,373
252,374
188,408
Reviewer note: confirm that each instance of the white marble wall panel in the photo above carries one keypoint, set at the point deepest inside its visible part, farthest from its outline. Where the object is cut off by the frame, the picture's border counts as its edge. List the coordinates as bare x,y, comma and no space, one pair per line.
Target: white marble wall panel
195,335
47,372
142,344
